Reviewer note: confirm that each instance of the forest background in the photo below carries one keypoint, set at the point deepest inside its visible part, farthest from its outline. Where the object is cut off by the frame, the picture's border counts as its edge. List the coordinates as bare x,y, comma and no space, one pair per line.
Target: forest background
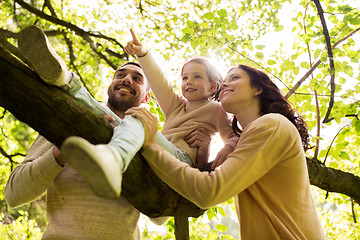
309,48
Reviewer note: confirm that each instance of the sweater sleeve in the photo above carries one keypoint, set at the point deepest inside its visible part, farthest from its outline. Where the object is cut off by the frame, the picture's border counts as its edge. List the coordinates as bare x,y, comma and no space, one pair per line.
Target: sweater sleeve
163,91
30,179
254,155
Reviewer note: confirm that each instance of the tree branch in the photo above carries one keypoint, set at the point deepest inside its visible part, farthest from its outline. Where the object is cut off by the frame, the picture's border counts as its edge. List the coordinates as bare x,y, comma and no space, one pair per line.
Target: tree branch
333,180
330,57
317,145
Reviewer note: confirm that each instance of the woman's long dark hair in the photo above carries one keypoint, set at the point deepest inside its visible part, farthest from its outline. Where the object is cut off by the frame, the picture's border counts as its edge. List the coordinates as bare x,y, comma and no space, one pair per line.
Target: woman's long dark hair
272,101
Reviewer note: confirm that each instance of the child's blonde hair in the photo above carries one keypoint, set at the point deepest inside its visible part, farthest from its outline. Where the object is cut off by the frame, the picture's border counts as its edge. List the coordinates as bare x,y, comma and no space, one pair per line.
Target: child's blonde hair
212,73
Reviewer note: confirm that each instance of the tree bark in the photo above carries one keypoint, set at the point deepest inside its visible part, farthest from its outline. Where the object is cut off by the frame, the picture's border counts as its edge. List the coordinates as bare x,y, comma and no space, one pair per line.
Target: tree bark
182,228
333,180
56,115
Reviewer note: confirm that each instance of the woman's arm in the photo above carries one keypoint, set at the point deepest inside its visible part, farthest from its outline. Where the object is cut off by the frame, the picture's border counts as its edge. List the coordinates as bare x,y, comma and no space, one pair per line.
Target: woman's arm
260,147
30,179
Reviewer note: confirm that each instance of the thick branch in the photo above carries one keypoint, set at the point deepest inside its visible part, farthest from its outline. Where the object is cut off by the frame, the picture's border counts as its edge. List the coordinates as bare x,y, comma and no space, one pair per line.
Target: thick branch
333,180
56,115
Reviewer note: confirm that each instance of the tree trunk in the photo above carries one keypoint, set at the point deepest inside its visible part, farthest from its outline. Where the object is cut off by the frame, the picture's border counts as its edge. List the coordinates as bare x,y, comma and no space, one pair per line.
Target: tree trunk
182,228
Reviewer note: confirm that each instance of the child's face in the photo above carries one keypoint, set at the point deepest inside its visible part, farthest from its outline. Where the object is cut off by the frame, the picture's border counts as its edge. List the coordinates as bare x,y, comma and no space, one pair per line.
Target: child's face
195,84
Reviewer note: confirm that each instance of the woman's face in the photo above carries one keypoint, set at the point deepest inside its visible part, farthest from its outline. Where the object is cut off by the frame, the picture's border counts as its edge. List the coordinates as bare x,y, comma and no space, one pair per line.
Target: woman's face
236,92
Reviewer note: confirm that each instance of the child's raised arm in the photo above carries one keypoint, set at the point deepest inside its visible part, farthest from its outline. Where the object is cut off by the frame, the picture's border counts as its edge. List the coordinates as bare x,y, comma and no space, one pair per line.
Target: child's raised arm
135,47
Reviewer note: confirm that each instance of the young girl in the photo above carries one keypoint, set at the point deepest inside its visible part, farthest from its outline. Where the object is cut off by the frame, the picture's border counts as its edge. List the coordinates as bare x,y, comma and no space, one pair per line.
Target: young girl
266,173
194,109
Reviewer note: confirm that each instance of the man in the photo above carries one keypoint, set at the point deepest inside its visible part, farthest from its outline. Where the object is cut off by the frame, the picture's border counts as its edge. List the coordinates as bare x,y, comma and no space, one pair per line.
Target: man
74,211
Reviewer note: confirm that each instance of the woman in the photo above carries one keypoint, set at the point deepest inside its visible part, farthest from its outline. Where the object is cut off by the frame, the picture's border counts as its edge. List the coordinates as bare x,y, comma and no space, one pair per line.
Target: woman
266,173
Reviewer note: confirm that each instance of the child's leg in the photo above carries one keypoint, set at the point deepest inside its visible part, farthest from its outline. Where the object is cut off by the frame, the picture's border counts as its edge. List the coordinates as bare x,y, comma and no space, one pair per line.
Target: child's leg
102,165
40,56
171,148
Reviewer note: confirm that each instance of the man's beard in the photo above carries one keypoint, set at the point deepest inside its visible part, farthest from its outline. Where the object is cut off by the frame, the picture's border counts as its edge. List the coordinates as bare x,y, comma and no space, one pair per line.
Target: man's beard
122,104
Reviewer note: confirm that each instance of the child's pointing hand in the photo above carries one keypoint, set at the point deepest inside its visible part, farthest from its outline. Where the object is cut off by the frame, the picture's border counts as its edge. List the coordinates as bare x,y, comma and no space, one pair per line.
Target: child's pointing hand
134,46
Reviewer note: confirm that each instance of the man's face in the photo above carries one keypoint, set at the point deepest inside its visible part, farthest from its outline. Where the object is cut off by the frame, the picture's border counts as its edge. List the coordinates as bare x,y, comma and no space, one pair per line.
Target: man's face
128,88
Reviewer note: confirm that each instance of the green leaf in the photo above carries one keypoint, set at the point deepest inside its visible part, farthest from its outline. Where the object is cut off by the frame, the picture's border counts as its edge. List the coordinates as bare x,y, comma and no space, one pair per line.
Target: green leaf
188,30
287,65
271,62
231,38
333,19
344,155
222,13
260,47
221,211
349,70
305,65
186,37
259,55
296,70
194,43
191,24
317,53
221,228
209,16
233,26
204,24
342,80
211,213
355,21
357,125
279,28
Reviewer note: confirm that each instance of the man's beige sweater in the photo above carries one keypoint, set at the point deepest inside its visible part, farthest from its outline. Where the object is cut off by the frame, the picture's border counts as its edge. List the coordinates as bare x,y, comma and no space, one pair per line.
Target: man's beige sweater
266,174
73,211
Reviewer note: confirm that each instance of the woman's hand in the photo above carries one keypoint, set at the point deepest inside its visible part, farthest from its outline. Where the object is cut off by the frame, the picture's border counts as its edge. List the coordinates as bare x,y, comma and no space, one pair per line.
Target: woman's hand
149,121
200,139
221,156
134,46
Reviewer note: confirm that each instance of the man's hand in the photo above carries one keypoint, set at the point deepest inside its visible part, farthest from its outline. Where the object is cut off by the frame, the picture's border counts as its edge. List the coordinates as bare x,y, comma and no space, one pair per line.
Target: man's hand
58,156
110,119
221,156
200,139
149,121
134,46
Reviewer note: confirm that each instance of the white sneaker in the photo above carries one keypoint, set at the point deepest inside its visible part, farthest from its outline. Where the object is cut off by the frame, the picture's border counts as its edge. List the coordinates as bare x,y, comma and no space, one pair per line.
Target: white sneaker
35,46
100,165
